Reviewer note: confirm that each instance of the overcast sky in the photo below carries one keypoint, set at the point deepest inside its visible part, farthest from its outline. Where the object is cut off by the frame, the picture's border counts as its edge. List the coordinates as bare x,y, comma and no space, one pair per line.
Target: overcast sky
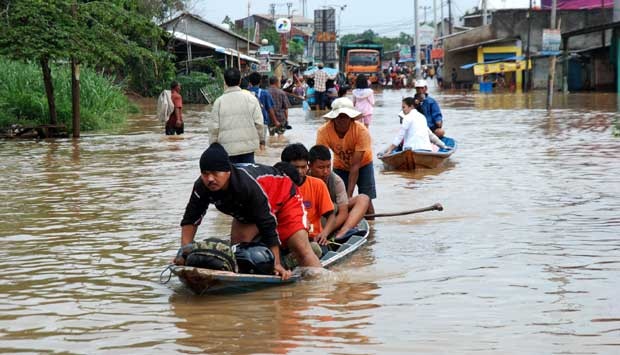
386,17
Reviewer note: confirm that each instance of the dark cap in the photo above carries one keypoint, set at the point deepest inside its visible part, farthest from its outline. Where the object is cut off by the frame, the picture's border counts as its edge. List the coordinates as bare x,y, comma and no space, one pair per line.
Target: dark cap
215,158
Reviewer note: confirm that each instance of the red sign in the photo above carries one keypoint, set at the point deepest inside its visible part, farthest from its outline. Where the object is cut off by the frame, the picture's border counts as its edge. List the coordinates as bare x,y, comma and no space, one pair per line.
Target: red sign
437,53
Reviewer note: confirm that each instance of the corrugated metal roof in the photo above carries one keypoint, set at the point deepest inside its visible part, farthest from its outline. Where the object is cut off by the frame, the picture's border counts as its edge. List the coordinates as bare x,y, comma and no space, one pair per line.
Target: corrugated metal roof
185,37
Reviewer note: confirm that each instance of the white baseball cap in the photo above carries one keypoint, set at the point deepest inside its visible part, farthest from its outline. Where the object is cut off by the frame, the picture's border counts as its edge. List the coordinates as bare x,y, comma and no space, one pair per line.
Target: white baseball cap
420,83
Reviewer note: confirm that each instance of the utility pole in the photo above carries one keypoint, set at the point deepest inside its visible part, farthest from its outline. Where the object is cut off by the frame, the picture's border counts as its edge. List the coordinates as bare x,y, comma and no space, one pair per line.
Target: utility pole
527,50
248,24
450,16
443,24
418,75
435,17
551,76
616,38
424,8
484,13
75,88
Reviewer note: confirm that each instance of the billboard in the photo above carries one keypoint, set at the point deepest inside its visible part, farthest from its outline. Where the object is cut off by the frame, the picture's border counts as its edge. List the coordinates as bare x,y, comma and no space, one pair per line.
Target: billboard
325,34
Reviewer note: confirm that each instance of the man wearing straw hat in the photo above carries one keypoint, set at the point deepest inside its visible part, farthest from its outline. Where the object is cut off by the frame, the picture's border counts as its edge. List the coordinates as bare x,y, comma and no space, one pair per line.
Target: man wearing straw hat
350,141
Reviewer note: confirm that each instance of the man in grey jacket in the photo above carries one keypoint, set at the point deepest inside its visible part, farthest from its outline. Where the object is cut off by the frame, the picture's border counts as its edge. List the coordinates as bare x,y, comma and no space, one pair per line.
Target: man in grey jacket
236,120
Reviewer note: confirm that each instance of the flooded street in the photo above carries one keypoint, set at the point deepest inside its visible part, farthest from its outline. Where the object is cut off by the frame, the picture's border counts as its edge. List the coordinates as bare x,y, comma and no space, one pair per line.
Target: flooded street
525,258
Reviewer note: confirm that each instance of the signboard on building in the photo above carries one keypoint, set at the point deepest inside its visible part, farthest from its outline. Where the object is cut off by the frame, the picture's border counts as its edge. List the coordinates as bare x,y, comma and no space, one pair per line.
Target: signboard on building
437,53
404,53
326,36
427,35
283,25
501,67
264,66
551,40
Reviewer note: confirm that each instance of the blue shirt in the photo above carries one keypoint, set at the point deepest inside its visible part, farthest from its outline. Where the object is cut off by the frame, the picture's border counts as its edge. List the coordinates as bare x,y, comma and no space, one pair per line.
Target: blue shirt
431,111
265,100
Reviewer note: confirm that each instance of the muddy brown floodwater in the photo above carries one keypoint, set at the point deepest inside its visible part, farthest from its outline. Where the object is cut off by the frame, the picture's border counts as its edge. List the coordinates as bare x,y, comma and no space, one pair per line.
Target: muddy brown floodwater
525,258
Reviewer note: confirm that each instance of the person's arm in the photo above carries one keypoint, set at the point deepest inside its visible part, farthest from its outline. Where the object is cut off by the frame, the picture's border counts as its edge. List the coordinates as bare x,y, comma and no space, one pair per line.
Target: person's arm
257,116
214,126
269,105
387,151
328,228
325,205
400,136
272,117
436,115
194,212
278,269
178,115
434,139
354,171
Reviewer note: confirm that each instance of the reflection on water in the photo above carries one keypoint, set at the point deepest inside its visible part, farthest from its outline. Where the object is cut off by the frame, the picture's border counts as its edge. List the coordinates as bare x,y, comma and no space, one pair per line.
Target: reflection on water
524,258
278,320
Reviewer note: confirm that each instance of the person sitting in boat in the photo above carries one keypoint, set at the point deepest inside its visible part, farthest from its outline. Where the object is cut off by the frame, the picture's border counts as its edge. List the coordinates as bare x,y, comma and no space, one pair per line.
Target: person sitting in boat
430,109
348,211
414,134
262,200
314,192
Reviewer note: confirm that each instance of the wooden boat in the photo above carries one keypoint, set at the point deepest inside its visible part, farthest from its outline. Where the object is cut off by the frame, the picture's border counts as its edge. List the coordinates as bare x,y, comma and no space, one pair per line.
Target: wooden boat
411,159
203,281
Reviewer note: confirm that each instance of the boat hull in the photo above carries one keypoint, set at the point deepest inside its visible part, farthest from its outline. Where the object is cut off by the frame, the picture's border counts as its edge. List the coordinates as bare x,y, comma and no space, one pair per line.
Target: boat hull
202,281
414,159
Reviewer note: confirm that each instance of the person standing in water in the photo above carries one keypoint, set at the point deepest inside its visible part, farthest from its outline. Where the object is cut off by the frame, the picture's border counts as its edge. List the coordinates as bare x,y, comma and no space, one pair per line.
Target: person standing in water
363,99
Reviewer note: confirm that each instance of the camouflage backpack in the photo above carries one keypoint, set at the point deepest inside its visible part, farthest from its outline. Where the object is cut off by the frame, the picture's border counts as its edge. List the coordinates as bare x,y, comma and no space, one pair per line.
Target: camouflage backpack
212,253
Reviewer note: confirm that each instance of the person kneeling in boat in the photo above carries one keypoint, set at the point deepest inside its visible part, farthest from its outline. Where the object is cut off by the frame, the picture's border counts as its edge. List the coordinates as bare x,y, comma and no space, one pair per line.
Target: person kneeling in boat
314,192
414,134
348,211
261,199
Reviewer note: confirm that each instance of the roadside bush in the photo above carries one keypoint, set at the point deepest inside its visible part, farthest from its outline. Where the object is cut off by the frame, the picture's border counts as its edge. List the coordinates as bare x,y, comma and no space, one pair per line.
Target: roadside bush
103,104
206,75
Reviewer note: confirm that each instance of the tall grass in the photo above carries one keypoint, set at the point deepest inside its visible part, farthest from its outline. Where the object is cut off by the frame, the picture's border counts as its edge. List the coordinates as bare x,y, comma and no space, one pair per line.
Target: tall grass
103,104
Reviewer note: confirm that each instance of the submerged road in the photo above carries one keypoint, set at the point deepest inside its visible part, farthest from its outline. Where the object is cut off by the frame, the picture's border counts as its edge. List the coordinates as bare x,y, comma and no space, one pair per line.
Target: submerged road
524,259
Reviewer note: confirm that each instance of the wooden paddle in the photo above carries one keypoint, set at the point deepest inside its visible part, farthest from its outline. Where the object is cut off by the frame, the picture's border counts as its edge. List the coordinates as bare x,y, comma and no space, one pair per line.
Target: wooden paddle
435,207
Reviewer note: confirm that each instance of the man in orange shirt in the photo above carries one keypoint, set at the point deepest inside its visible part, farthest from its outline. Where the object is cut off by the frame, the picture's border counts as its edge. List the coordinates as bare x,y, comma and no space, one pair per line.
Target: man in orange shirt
175,121
350,142
317,201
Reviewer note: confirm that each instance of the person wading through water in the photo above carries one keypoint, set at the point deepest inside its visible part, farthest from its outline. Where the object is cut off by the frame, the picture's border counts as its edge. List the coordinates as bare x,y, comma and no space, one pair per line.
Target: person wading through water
350,141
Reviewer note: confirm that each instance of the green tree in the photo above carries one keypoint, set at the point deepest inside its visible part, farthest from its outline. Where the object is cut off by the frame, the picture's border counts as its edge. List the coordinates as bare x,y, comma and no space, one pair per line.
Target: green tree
389,43
104,34
295,49
272,36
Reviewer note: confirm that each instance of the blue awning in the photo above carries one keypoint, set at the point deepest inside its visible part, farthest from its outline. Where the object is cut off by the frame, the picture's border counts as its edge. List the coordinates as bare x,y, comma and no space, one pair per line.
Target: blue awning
548,53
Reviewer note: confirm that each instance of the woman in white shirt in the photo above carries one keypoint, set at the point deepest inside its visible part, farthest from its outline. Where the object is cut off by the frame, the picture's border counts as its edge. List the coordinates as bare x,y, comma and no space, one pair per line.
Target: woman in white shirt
414,134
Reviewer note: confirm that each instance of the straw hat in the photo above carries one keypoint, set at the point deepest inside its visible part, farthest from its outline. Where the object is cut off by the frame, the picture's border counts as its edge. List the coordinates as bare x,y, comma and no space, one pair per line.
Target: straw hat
342,105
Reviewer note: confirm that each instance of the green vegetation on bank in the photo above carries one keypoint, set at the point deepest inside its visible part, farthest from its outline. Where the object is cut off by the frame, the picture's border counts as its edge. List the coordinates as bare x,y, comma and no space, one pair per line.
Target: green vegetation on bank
103,104
206,75
116,38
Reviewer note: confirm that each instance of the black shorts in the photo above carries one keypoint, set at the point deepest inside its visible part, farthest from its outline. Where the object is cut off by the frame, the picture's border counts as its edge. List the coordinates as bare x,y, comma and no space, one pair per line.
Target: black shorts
172,130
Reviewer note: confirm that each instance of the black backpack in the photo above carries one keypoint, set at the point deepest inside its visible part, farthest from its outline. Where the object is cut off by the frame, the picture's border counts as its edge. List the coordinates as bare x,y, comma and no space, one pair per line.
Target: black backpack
212,253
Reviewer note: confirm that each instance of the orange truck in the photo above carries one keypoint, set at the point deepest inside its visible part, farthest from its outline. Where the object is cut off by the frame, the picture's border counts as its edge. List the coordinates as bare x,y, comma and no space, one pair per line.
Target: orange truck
361,58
